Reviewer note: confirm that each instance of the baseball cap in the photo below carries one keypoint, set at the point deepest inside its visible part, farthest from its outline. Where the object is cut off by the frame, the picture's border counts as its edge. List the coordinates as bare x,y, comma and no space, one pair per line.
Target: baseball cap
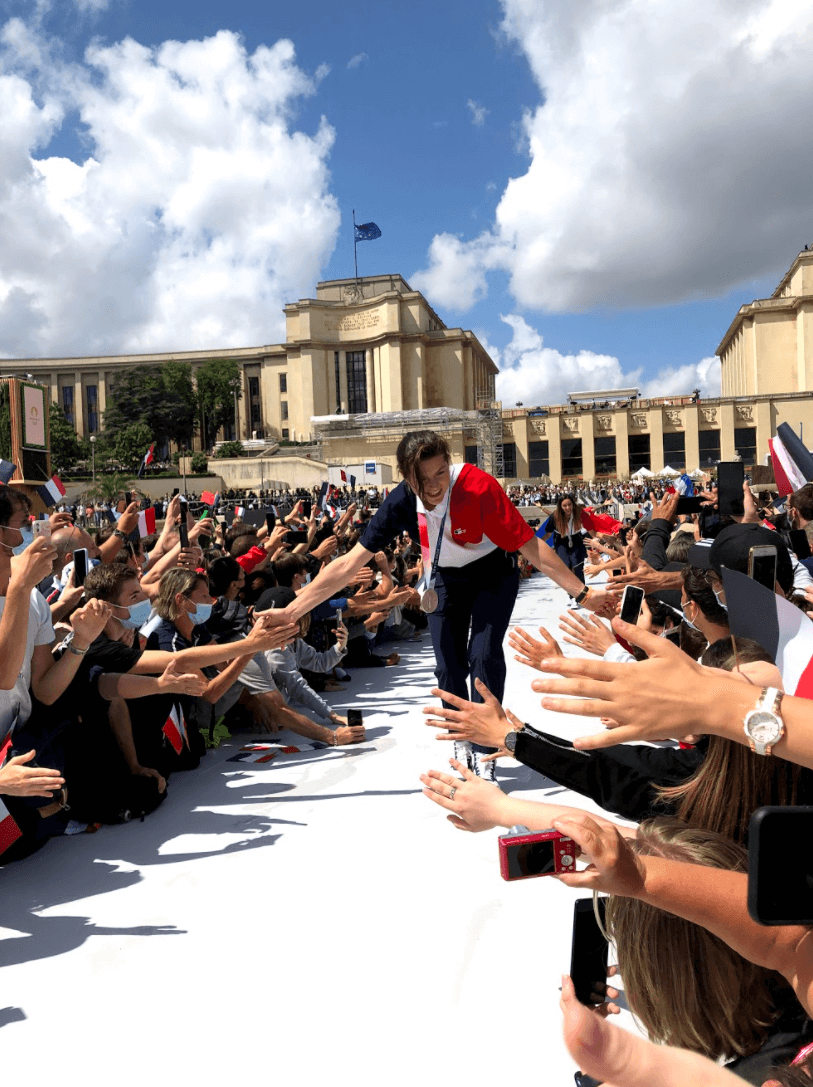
280,597
731,548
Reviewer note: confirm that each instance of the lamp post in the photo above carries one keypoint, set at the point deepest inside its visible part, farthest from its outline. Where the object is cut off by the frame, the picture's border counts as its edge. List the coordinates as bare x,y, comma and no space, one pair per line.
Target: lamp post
93,456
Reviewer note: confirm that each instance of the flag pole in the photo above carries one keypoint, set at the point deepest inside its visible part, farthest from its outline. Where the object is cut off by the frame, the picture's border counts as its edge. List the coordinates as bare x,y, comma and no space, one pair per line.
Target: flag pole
355,246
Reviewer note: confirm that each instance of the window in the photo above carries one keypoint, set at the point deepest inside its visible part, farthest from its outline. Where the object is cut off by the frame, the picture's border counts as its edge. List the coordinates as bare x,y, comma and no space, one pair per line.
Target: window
283,382
67,403
639,452
283,410
509,460
254,403
605,455
571,457
338,382
674,450
285,434
471,454
745,442
538,460
709,448
92,401
356,382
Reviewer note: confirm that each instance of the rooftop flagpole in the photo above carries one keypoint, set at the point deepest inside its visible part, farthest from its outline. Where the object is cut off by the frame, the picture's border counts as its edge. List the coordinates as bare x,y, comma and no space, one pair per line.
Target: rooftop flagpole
355,246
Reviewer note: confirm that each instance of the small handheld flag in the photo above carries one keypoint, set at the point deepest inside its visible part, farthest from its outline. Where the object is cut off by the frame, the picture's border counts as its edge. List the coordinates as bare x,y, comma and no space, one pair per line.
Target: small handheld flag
175,729
146,523
149,457
52,491
207,498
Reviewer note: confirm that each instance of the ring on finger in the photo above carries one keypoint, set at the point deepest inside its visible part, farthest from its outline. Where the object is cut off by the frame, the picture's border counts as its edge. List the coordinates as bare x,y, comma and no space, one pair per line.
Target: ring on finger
451,794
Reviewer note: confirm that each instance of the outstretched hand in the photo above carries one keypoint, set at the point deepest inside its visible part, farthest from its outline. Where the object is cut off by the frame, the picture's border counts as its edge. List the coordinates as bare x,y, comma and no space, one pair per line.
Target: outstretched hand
529,650
483,723
473,804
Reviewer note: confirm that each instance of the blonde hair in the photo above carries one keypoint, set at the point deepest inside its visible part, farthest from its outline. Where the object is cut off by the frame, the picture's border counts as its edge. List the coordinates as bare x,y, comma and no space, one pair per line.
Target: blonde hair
174,581
686,986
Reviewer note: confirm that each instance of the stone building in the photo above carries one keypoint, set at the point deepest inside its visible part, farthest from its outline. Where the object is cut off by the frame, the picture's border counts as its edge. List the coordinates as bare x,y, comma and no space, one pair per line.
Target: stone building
371,344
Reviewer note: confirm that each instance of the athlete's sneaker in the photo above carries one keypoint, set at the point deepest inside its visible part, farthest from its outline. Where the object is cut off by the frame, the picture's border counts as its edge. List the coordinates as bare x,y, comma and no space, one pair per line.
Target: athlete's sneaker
463,753
485,770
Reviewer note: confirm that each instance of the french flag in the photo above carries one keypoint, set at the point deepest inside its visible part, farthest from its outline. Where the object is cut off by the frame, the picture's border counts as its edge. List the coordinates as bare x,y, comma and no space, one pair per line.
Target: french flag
146,523
600,522
9,831
343,475
52,491
685,485
782,629
792,462
149,457
239,511
175,729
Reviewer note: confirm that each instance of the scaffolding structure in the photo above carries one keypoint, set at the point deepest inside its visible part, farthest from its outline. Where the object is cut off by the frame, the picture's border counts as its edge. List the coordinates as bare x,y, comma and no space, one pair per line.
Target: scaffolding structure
484,426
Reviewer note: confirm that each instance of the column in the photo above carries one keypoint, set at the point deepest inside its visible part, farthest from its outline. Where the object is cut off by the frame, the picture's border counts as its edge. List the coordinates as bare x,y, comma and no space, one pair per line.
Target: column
520,429
725,414
691,421
369,378
79,406
102,387
765,428
553,432
656,459
343,380
622,444
587,433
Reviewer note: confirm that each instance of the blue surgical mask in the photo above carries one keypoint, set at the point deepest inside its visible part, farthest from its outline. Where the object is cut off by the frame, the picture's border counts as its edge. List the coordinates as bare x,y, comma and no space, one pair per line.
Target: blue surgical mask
722,603
200,616
138,614
28,538
687,620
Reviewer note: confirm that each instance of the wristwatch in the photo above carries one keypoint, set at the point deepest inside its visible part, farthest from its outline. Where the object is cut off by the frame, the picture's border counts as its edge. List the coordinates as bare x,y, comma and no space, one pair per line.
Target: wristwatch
121,535
763,726
510,741
582,595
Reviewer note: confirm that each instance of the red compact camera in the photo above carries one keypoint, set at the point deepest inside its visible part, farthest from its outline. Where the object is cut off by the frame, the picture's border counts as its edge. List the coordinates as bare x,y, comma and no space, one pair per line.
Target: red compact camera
544,853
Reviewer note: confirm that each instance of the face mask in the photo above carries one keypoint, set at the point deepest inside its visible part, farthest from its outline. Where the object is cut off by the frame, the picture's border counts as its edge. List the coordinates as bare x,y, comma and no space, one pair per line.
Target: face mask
307,579
28,538
138,614
722,603
687,620
201,615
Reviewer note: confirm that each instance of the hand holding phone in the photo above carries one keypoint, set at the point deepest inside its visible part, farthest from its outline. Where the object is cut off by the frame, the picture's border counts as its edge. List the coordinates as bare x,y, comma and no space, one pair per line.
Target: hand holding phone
80,566
631,602
183,532
730,480
41,528
589,952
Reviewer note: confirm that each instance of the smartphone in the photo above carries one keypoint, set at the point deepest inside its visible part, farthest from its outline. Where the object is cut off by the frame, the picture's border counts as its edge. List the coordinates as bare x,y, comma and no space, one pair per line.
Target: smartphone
338,615
691,504
307,506
631,601
799,543
524,855
80,566
590,951
673,635
296,538
730,479
221,520
270,521
762,565
184,508
177,490
622,535
780,868
41,528
355,717
128,498
183,532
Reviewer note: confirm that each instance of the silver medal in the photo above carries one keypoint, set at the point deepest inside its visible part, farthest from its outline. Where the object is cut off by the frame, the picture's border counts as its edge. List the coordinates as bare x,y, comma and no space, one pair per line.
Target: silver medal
429,601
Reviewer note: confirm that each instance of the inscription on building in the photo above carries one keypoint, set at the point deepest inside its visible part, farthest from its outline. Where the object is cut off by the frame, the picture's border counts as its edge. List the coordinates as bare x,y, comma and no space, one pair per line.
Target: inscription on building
354,322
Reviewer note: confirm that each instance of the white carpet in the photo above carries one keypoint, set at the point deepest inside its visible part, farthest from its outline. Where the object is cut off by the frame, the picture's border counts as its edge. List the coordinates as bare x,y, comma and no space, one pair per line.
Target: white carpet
312,920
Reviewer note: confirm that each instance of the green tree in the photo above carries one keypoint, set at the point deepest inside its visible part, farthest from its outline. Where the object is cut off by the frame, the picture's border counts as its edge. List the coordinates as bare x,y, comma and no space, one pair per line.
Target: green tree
199,462
216,381
109,487
66,447
161,397
229,449
129,444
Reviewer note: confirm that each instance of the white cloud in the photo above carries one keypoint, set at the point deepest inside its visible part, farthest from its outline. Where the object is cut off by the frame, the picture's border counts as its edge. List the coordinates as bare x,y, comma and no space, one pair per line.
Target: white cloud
664,163
535,374
92,7
197,213
478,113
356,60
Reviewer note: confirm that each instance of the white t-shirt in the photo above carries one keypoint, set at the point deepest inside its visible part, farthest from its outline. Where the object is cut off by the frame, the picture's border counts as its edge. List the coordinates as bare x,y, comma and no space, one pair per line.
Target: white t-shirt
451,553
15,705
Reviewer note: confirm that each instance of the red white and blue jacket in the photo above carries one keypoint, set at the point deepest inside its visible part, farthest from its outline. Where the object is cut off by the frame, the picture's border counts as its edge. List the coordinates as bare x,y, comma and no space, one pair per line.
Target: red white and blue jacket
479,508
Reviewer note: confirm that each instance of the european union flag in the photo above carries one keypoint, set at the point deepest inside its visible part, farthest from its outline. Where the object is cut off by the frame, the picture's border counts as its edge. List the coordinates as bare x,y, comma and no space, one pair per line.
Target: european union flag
367,232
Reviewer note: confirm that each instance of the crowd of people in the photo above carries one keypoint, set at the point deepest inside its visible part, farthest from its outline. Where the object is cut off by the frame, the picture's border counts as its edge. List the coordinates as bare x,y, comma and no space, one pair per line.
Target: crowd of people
722,998
111,686
179,637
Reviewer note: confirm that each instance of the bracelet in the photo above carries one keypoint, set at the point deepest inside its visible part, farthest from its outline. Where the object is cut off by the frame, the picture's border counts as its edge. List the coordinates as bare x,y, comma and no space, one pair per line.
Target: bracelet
76,652
583,595
335,738
121,535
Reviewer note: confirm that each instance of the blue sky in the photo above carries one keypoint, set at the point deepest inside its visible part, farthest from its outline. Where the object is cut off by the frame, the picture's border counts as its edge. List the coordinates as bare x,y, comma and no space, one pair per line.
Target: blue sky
630,236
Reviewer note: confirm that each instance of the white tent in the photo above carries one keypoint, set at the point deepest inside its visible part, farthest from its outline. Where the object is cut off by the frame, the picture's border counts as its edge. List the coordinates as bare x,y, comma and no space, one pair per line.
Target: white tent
670,473
643,473
697,474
